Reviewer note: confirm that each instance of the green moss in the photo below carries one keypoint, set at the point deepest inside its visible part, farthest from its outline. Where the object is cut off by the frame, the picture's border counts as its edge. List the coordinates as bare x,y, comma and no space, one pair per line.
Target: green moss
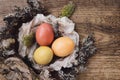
28,40
68,10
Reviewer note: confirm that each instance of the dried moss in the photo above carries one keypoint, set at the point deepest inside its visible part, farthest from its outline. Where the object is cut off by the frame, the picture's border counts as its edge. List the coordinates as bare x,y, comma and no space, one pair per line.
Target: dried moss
28,40
68,10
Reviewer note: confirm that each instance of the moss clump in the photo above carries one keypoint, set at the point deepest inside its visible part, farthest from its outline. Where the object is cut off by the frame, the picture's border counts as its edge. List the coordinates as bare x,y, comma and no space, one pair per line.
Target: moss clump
28,40
68,10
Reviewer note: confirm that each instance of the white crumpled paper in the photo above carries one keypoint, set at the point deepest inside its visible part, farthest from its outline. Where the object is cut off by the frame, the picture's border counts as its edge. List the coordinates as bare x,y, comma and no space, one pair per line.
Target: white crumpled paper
66,27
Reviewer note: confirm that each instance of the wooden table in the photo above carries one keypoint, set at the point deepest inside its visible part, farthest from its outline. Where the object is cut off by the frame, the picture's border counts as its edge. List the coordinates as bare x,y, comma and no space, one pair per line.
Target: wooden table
99,16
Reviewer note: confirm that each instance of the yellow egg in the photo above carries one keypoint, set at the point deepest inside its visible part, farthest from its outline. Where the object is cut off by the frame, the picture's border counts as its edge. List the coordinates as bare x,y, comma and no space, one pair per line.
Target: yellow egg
43,55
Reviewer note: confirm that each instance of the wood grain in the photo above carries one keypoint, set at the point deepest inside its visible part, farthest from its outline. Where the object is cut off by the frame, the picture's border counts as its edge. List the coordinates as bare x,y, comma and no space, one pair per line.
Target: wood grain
101,17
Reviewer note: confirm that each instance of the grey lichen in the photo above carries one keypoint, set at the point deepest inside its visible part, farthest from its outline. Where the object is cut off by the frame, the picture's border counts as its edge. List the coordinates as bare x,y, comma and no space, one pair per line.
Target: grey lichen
7,42
15,69
87,50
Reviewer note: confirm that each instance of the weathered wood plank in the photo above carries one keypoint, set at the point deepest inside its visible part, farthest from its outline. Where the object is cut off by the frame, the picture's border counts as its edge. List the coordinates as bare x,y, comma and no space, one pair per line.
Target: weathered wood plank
102,68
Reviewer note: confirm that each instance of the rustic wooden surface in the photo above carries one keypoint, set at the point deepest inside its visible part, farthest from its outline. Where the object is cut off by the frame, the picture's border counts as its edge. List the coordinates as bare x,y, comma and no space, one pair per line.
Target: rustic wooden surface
99,16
